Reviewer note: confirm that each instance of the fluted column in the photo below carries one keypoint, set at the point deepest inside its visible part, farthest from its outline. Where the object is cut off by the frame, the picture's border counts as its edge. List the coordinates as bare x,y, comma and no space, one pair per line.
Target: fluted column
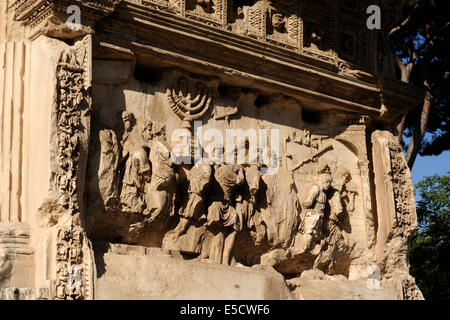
3,19
12,65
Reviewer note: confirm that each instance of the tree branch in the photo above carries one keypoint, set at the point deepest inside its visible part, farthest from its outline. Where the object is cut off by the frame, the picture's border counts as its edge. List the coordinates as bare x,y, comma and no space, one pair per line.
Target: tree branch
400,129
401,25
398,62
419,132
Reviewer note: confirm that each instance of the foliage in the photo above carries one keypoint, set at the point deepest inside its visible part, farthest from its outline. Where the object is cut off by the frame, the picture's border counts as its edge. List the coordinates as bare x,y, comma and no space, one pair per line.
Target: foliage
421,46
430,247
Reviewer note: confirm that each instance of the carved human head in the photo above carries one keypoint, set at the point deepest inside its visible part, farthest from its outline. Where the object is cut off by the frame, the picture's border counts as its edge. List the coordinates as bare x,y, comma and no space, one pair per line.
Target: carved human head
159,130
201,170
127,118
146,131
341,177
315,35
325,180
315,38
253,177
205,170
278,21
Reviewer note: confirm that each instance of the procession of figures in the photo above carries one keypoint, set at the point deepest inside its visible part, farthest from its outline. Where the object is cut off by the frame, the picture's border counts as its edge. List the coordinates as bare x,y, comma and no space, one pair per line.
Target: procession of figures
138,177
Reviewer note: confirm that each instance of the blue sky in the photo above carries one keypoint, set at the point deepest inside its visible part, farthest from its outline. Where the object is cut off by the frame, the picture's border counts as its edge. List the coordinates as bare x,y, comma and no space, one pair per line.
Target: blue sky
430,165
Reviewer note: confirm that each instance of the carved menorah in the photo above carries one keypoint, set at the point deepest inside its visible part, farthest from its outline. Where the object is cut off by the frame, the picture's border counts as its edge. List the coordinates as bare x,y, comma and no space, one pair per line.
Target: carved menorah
189,104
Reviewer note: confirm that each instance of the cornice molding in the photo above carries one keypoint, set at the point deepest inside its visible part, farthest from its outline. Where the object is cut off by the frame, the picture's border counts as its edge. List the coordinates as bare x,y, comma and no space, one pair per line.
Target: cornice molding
160,37
49,16
162,29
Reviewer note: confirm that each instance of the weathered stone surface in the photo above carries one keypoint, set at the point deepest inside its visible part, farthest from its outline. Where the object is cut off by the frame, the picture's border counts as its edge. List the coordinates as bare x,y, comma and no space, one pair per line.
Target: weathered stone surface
130,272
99,126
24,294
343,290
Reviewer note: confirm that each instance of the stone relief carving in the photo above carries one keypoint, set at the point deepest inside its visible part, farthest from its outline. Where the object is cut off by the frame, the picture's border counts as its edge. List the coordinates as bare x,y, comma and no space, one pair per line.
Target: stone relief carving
5,265
278,22
312,217
71,103
50,17
148,185
316,205
163,179
70,283
282,213
72,106
139,177
188,99
403,196
335,244
398,216
248,20
217,203
284,24
308,27
275,23
298,219
194,209
108,166
223,220
137,166
173,6
212,12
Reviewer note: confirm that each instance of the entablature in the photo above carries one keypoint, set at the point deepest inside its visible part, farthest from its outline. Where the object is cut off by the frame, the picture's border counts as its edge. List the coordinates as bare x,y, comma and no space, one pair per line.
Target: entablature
319,52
